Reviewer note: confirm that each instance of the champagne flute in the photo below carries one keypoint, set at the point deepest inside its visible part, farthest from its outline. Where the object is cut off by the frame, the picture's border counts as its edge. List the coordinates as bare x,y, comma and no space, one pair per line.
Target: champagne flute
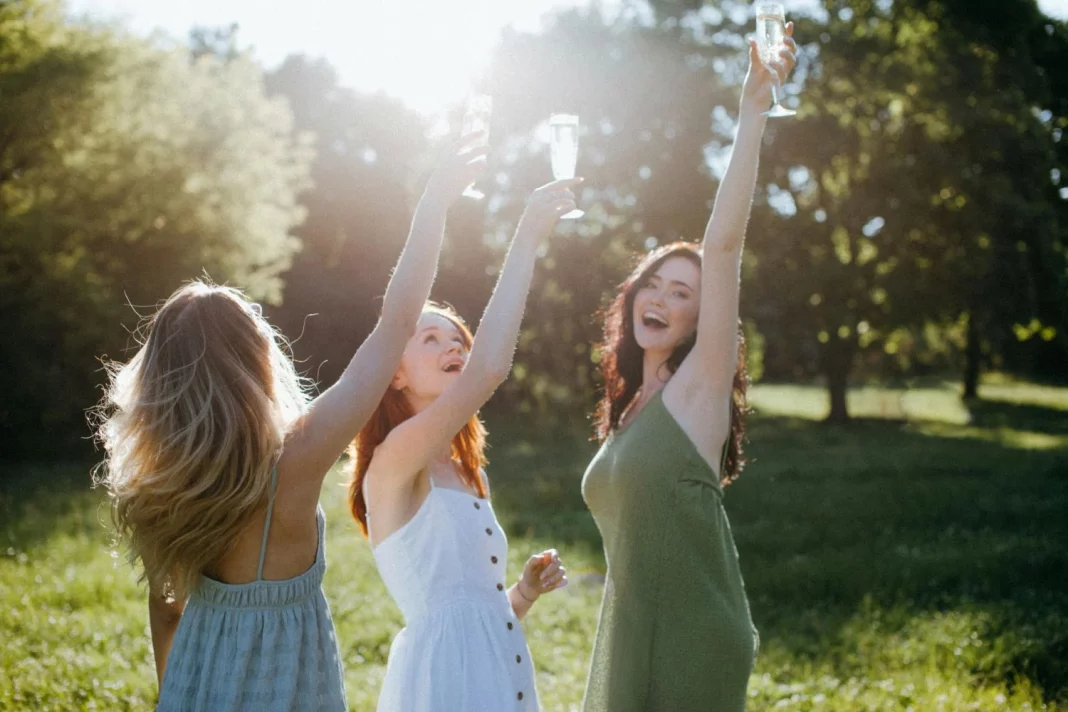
477,118
771,29
563,150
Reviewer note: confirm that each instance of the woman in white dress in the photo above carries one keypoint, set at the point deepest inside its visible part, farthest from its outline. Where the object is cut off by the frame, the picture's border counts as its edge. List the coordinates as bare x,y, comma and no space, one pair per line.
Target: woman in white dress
421,497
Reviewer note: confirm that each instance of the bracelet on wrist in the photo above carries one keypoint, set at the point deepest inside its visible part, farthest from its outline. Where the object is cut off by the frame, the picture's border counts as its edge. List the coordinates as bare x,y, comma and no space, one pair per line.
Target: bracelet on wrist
519,588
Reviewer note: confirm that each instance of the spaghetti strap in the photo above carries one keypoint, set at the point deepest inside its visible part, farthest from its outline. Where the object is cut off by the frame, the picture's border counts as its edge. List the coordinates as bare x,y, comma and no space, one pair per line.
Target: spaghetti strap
267,645
267,521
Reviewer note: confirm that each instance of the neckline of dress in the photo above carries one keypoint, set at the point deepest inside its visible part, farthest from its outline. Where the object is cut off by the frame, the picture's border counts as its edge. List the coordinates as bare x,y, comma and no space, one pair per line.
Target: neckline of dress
637,416
419,512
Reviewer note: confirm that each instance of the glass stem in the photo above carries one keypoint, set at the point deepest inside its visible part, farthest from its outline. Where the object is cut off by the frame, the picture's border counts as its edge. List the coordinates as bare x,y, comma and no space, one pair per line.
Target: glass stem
774,94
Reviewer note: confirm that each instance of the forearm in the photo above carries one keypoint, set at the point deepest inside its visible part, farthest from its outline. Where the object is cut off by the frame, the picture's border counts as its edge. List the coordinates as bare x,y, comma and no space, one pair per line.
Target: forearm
374,363
366,378
163,620
521,605
409,286
494,346
734,199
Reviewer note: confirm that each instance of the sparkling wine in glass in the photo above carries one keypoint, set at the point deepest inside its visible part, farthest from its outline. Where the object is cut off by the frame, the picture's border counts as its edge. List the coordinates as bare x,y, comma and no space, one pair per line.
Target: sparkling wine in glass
477,118
563,149
771,31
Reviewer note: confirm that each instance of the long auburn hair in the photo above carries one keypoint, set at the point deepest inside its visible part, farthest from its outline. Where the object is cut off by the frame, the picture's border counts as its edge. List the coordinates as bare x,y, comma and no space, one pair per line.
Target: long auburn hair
468,445
621,358
192,426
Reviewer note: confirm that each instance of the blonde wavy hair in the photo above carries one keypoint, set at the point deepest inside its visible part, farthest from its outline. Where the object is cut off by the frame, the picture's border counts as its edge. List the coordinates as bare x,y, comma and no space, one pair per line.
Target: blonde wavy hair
192,426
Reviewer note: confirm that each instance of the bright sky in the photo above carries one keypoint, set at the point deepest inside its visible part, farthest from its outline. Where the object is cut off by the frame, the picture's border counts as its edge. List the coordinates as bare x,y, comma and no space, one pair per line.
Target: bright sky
423,51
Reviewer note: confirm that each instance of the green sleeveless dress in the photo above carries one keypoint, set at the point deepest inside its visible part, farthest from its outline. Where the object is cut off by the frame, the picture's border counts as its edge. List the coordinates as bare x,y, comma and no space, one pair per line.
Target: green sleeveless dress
675,633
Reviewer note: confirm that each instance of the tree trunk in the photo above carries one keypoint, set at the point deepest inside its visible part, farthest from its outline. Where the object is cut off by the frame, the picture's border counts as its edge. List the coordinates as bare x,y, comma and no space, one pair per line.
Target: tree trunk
972,356
837,363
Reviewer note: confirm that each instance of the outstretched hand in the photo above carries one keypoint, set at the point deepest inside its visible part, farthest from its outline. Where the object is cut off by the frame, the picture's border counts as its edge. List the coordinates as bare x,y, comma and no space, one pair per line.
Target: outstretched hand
761,77
463,163
547,204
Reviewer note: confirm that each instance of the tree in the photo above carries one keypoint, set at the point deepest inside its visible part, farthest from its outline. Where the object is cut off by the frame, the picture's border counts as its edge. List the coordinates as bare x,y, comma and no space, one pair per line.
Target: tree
364,183
46,72
157,169
898,195
644,98
1015,123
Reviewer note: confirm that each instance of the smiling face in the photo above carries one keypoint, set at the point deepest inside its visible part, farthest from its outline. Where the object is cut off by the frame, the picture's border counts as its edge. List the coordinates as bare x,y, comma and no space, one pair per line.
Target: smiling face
666,305
433,358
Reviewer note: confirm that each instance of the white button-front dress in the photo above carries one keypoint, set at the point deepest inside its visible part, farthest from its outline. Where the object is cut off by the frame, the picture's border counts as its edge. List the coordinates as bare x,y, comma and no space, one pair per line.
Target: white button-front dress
462,648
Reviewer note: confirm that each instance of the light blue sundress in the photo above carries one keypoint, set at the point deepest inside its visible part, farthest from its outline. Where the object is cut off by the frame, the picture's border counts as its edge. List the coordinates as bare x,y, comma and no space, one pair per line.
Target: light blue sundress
267,646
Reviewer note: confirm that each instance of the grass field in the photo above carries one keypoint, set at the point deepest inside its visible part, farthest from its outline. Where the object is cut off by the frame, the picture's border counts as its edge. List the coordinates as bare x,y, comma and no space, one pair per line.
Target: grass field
913,560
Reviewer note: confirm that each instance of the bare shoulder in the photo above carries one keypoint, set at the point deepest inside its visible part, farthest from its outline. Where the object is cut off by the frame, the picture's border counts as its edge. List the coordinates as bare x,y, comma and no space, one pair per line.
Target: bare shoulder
381,480
702,412
690,388
296,494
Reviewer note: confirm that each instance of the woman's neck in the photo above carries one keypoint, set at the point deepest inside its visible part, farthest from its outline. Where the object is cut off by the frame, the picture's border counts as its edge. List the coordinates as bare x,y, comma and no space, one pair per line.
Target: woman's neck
417,404
654,373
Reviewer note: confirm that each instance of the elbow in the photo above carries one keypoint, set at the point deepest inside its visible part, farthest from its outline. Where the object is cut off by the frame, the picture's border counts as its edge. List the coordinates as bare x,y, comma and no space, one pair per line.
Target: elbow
399,323
400,310
168,612
489,367
723,243
498,374
172,618
494,372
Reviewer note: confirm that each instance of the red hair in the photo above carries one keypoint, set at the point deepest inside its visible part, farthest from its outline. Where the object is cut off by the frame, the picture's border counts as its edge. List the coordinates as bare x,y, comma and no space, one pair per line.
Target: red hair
468,446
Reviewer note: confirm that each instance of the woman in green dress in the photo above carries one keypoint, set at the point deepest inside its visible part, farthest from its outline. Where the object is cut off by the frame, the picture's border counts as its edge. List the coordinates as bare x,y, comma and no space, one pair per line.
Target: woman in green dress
675,633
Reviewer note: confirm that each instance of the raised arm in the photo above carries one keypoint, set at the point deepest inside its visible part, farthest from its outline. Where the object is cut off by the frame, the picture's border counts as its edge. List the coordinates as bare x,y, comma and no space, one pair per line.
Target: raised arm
413,443
334,418
713,359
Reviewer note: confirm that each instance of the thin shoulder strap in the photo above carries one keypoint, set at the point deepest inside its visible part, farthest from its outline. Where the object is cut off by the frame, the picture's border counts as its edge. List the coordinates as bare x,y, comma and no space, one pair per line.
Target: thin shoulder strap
267,521
431,478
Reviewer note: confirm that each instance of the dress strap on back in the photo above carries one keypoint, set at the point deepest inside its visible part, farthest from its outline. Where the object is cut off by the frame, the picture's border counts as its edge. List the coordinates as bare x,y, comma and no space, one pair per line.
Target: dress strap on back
267,521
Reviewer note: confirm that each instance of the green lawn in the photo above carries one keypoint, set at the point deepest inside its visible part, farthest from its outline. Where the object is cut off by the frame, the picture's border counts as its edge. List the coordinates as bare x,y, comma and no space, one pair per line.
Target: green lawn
914,560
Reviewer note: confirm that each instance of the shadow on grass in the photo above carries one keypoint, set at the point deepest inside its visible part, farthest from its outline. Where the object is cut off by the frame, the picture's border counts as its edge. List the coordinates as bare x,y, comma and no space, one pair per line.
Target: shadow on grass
841,531
830,520
1018,416
833,517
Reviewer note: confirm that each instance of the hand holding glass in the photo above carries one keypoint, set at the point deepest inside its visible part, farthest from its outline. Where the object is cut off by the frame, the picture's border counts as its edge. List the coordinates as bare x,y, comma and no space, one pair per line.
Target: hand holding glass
563,150
771,29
